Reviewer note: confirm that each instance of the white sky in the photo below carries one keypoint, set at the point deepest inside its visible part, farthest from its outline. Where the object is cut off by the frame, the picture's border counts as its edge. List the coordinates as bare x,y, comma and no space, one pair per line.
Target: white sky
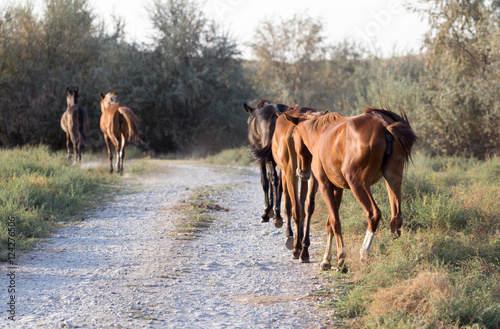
382,25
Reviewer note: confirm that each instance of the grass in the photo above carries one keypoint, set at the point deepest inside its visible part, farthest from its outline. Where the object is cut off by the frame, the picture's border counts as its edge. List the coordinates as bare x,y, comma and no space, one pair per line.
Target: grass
235,157
198,210
444,271
39,189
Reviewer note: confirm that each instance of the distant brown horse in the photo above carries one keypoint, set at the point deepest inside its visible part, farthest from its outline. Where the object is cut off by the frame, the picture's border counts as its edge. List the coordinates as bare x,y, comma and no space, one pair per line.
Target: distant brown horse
75,123
354,153
300,206
261,124
120,126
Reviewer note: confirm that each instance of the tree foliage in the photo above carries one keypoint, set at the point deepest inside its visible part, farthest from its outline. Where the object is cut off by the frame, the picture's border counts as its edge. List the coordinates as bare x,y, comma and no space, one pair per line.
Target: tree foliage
461,85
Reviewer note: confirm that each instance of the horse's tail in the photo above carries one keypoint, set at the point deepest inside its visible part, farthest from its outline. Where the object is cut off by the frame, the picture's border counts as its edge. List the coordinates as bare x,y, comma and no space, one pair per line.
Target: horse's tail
132,124
400,129
263,155
83,122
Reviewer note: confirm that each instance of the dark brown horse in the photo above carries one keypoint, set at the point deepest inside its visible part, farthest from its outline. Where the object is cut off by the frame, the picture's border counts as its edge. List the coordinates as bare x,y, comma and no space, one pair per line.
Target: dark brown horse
75,123
261,124
119,126
295,203
354,153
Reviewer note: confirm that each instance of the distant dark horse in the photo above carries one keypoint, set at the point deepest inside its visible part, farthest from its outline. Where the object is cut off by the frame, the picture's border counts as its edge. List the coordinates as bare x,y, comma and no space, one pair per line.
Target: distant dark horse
261,125
75,123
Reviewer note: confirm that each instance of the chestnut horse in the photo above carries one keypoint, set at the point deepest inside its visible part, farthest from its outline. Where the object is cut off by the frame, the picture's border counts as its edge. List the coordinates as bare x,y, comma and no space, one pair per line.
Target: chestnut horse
295,205
75,122
354,153
261,123
120,126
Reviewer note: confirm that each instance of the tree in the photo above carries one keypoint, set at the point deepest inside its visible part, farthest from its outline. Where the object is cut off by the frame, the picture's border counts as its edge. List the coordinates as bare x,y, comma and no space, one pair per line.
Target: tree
462,74
197,82
286,51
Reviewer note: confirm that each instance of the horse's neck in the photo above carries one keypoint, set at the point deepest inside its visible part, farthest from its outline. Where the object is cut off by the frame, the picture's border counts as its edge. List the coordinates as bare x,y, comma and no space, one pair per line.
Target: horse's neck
72,102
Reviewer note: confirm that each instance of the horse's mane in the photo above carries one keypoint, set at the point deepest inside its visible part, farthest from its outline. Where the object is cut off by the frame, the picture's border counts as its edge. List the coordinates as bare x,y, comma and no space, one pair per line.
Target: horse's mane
318,122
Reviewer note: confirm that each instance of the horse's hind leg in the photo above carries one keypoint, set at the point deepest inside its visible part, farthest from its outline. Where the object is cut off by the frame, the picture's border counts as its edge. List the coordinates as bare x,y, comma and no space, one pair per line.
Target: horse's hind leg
74,140
287,211
292,181
265,186
78,157
373,214
307,202
393,175
333,231
275,183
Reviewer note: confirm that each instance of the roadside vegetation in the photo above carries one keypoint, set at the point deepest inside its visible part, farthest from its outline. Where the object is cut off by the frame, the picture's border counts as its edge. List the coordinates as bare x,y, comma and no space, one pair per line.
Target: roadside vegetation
39,188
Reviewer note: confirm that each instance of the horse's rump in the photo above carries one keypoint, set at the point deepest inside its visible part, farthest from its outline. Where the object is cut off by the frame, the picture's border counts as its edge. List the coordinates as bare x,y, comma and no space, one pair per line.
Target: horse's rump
399,127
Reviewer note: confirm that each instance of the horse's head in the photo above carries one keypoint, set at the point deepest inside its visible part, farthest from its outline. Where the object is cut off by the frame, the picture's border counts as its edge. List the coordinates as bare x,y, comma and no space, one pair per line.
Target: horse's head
72,96
108,101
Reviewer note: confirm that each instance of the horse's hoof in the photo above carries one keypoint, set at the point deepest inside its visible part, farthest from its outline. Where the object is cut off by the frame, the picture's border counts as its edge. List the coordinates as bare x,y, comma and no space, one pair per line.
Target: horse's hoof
264,219
278,222
325,266
289,243
304,256
296,253
342,268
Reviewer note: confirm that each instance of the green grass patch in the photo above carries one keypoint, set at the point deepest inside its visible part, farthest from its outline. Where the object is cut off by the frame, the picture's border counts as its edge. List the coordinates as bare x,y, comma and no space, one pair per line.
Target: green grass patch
444,271
240,156
198,210
40,188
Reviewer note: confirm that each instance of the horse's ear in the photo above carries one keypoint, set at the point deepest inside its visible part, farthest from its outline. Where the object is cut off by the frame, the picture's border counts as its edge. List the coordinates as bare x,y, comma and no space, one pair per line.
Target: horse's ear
102,96
293,120
248,108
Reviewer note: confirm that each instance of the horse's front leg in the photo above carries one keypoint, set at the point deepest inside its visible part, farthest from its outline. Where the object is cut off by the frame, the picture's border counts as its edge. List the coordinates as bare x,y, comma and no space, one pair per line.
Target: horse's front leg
122,154
67,147
110,154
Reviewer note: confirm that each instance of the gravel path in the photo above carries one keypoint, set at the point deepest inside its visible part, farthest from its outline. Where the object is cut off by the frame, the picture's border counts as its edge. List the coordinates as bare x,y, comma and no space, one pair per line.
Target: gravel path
124,266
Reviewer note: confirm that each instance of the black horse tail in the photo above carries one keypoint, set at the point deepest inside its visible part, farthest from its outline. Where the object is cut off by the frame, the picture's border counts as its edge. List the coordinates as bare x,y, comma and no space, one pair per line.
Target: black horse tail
264,154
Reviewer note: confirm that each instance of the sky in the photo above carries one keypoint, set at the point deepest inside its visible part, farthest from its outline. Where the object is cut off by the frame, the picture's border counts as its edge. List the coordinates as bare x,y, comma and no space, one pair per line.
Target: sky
385,26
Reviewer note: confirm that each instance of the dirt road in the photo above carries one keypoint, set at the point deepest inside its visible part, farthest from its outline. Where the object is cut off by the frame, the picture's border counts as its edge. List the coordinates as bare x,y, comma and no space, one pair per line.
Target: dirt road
125,266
